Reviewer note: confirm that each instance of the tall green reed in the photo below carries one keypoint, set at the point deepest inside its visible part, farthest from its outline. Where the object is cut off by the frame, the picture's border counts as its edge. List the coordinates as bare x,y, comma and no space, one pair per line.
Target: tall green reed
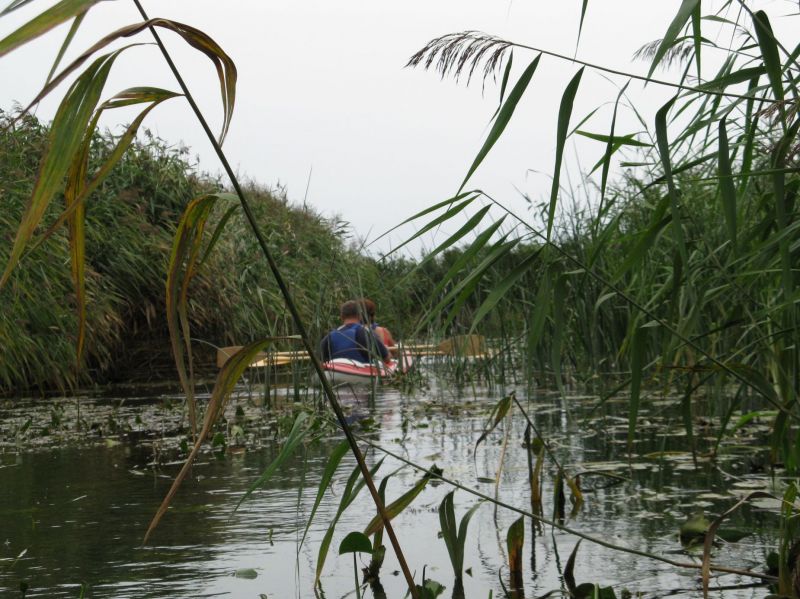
681,267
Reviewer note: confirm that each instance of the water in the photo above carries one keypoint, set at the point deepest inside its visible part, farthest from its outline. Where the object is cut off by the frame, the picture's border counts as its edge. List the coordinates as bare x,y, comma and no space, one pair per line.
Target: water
75,506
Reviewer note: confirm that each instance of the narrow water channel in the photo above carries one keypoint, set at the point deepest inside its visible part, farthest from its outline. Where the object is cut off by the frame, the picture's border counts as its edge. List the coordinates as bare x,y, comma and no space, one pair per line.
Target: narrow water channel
74,506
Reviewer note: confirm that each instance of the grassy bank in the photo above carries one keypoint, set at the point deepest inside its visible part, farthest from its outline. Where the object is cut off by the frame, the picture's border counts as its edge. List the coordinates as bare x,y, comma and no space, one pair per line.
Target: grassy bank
131,221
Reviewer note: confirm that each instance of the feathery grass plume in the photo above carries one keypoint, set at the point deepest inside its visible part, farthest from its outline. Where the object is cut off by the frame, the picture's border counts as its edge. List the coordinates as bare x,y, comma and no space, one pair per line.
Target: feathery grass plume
679,53
455,53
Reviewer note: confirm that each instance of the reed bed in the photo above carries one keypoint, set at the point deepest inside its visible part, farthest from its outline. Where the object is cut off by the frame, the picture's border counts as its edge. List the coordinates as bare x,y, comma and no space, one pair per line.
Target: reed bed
131,220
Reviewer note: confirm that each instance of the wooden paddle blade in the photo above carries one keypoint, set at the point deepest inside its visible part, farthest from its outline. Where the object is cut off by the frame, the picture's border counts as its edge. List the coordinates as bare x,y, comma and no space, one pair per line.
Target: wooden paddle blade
464,345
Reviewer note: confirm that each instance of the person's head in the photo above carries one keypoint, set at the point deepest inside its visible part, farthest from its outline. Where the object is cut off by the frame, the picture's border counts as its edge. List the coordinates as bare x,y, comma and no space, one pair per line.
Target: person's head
350,311
368,308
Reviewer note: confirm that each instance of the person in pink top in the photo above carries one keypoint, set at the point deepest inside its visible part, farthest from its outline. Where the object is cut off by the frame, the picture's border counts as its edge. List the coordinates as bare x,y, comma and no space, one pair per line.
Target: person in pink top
368,310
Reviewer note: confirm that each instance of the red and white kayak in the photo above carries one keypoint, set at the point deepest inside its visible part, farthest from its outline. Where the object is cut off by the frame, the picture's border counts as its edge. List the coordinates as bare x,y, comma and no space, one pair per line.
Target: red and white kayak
344,370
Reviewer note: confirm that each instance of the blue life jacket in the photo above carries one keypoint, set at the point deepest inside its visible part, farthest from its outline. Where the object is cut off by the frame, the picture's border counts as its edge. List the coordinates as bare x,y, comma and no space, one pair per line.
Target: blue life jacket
352,341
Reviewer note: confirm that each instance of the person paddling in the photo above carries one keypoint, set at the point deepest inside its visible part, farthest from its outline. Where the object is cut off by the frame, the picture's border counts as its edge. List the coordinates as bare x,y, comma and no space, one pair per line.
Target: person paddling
368,310
352,339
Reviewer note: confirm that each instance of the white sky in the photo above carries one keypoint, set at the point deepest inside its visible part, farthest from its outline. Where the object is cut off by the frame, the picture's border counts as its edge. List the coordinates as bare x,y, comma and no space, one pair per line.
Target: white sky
322,86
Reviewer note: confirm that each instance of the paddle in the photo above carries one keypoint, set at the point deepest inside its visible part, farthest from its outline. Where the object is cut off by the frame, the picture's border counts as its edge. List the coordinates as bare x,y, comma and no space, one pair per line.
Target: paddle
460,346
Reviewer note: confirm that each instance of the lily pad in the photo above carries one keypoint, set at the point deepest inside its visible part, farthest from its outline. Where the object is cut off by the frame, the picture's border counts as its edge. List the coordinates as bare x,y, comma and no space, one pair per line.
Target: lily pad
355,542
694,529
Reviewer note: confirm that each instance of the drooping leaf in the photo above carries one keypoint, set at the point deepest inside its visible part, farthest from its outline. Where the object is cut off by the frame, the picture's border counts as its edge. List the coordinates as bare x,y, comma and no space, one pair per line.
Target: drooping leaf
535,472
499,411
503,117
576,495
79,188
223,64
66,136
180,270
218,230
76,181
564,114
685,11
227,378
49,19
135,95
355,542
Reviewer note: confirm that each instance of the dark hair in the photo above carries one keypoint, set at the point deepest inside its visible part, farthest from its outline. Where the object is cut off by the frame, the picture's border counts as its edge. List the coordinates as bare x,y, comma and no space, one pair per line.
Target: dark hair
349,309
368,309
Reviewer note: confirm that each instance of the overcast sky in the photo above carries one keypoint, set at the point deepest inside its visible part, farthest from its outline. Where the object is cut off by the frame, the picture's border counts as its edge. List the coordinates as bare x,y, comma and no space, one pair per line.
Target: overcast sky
322,86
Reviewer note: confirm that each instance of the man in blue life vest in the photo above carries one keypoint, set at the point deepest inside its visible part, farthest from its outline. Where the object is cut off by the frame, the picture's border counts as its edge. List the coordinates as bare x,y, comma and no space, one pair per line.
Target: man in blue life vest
352,339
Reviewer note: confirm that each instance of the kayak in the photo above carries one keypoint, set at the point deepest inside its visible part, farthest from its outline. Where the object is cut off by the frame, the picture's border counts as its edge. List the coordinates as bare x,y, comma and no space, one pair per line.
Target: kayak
344,370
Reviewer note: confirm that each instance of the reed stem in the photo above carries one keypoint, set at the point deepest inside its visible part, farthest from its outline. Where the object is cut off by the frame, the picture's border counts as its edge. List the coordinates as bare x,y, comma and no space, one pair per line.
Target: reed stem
290,305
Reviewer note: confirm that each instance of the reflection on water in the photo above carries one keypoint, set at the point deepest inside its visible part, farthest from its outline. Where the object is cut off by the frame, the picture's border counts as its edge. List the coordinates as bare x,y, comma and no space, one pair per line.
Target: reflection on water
77,515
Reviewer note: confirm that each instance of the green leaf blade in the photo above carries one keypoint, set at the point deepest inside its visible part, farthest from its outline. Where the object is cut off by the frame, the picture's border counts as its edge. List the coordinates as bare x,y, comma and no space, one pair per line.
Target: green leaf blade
769,53
685,11
564,114
503,117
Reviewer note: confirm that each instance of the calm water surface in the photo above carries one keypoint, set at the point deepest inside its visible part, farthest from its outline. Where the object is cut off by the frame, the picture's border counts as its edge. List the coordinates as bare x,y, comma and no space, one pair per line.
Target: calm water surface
74,506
